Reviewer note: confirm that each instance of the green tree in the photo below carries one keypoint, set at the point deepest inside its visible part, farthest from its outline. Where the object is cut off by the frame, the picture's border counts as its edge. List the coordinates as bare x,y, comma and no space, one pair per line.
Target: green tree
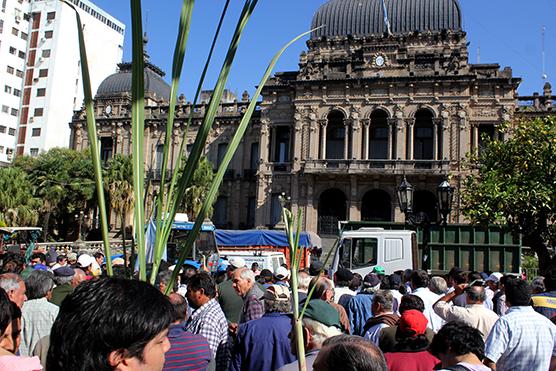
513,182
119,187
195,195
18,205
63,180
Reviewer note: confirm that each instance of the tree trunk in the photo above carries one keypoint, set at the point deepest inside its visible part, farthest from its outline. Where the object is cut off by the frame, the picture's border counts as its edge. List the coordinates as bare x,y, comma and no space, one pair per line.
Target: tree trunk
537,244
123,217
45,227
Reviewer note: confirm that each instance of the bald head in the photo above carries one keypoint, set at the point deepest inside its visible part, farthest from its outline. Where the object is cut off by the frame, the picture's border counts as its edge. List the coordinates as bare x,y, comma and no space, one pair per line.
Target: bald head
78,277
475,295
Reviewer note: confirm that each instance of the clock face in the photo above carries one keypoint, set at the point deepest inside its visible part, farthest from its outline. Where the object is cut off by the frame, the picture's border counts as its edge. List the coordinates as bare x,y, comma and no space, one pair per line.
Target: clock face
379,60
108,109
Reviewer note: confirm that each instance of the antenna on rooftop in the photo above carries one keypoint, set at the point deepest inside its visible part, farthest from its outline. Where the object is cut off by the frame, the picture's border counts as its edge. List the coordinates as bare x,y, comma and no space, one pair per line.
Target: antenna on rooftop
544,75
386,21
478,55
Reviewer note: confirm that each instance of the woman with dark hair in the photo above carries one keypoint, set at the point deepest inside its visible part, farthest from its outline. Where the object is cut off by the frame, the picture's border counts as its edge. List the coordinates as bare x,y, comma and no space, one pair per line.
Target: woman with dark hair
410,352
460,347
10,330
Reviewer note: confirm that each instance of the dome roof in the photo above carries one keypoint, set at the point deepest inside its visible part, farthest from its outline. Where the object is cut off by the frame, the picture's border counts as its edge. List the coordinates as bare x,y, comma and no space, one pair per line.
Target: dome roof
366,17
120,82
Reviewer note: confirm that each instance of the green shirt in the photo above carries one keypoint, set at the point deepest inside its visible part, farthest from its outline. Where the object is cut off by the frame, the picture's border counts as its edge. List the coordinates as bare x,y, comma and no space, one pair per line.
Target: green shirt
60,292
230,301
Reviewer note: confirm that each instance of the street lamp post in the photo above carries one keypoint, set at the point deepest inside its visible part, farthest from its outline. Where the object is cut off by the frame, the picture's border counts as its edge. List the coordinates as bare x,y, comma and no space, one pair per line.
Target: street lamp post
421,220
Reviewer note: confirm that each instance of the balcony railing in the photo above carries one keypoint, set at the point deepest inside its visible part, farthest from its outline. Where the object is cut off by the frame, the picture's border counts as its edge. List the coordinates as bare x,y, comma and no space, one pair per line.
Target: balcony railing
366,166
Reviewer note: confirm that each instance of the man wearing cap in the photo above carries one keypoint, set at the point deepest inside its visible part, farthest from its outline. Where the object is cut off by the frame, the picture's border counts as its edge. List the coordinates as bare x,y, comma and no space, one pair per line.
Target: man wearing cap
263,344
320,322
228,298
493,284
63,277
281,276
473,314
85,262
359,307
342,280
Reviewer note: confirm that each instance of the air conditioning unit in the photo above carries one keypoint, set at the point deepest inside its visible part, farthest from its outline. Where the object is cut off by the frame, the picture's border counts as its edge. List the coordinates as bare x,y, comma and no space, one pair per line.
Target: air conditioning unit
31,119
17,19
36,79
39,61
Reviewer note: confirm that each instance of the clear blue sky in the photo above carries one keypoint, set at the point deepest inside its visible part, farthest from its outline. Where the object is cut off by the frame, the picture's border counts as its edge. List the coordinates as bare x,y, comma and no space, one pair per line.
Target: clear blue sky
507,32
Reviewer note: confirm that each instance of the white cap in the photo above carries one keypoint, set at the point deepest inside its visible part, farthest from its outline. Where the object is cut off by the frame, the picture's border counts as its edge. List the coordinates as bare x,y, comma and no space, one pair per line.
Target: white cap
237,262
85,260
172,267
495,277
282,273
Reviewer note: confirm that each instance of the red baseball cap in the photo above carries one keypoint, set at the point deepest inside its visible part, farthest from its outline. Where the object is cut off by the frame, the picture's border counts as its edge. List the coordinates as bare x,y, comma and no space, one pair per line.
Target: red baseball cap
413,323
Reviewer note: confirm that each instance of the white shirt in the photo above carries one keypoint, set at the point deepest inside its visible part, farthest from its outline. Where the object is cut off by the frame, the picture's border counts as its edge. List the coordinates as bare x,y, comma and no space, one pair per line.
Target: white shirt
474,315
339,291
429,298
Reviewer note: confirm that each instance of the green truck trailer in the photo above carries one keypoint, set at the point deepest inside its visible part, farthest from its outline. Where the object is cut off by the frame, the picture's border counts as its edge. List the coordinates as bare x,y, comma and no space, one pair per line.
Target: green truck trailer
396,245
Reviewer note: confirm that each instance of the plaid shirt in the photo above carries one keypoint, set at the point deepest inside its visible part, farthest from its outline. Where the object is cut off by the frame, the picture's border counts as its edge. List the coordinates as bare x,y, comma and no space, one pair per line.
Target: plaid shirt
521,340
253,305
38,316
210,322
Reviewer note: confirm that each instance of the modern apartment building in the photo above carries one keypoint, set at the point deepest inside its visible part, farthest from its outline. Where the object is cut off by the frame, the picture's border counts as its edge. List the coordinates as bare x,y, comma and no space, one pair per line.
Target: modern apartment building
44,54
14,35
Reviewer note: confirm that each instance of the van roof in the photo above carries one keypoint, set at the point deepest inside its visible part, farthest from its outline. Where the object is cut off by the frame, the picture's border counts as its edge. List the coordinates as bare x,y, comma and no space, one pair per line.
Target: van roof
365,231
250,253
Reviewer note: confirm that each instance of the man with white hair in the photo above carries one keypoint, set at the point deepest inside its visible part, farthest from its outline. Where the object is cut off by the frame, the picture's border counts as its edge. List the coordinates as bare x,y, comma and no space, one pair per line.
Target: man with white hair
230,302
14,286
320,322
243,281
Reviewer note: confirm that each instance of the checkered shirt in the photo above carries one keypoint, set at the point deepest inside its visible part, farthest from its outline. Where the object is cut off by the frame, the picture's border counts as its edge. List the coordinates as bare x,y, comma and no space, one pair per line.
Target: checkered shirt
210,322
521,340
38,316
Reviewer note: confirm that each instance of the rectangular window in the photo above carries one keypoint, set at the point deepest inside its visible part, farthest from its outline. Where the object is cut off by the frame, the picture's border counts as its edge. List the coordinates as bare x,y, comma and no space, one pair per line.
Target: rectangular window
10,70
48,34
15,31
12,50
2,129
50,16
41,92
11,132
17,92
34,152
36,132
21,54
14,112
7,89
19,73
23,35
5,109
38,112
222,148
1,25
43,73
1,149
46,53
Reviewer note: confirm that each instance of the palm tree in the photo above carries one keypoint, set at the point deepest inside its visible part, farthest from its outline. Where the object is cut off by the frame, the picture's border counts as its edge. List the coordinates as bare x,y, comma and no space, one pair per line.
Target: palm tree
120,191
18,206
196,194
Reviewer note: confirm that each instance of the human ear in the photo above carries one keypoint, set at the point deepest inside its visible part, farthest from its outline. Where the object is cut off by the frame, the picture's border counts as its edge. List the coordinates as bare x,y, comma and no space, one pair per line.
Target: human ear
118,360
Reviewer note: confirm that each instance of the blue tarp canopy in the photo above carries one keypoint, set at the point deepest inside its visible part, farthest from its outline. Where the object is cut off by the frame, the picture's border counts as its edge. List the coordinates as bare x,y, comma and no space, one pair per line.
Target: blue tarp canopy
262,237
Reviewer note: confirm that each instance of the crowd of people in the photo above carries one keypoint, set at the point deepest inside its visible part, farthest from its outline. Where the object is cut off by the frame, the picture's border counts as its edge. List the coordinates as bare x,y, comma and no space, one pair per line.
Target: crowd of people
60,312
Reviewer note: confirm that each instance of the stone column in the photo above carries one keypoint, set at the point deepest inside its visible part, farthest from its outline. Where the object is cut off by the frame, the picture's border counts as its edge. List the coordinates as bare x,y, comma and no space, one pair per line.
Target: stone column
410,137
310,215
464,136
322,126
264,143
348,135
354,212
313,137
391,126
435,125
356,139
446,150
366,125
400,136
475,136
272,144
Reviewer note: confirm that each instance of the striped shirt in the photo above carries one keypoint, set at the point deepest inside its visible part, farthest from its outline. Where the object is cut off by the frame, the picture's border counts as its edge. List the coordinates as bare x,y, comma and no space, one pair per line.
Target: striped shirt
521,340
209,321
188,352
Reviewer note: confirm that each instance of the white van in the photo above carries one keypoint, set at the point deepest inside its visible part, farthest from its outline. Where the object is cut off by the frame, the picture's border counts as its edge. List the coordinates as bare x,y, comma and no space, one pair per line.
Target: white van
265,259
362,249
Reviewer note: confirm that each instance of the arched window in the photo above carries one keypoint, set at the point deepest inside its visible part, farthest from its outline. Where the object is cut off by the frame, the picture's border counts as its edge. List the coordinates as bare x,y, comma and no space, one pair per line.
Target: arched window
378,135
332,208
335,136
423,132
220,216
376,206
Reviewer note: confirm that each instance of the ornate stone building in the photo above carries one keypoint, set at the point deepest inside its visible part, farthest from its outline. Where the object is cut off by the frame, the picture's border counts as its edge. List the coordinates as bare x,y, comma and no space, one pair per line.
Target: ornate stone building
372,101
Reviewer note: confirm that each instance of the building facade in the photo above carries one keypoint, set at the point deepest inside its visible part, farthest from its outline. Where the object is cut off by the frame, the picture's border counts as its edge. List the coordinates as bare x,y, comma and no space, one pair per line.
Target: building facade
375,99
14,35
46,67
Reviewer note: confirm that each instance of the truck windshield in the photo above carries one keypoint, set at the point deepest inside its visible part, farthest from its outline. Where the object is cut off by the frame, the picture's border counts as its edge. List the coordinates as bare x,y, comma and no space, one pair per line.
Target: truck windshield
359,252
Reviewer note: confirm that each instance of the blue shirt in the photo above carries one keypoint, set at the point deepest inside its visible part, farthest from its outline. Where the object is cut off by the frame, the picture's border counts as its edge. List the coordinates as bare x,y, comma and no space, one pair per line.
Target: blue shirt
263,344
545,303
359,311
521,340
187,352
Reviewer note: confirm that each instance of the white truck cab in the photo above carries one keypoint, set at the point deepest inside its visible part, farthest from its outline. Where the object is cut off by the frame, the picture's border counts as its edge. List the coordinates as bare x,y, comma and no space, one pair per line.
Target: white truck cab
362,249
265,259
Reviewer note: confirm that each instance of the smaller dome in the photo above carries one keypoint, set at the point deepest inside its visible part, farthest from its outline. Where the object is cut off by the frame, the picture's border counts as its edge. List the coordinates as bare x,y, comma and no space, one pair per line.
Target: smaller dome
120,82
